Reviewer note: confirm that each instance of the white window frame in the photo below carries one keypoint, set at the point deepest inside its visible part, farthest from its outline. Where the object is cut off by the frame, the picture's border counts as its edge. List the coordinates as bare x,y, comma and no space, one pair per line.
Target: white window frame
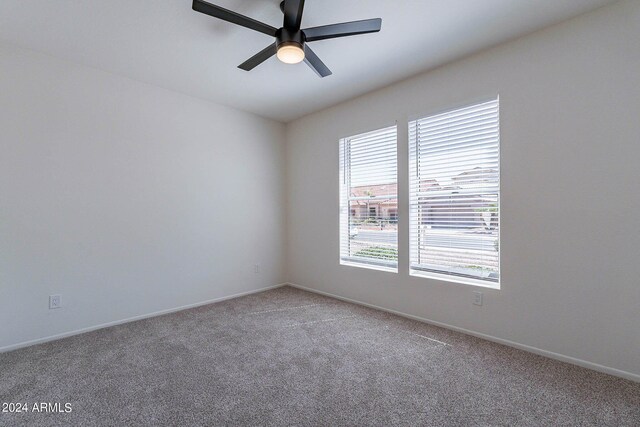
414,267
345,206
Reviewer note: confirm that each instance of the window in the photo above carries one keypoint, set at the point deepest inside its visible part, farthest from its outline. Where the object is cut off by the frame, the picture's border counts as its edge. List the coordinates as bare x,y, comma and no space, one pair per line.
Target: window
454,161
368,191
393,215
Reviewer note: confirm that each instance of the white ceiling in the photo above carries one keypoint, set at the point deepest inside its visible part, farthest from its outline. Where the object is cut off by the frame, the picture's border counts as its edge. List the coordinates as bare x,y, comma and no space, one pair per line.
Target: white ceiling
165,43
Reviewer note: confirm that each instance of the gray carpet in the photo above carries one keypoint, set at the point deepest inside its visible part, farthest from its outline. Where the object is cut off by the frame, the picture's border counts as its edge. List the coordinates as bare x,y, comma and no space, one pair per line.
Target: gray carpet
289,357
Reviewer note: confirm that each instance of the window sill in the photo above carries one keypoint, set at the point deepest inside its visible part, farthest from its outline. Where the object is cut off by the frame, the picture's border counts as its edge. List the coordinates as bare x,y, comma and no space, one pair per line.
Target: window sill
455,279
369,266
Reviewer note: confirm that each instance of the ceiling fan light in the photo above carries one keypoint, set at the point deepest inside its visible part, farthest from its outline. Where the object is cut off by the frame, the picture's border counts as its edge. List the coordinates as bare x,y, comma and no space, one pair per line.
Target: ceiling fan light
290,53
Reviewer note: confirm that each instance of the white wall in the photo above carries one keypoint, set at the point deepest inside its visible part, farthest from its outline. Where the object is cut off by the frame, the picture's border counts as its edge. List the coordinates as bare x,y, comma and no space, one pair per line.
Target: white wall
126,198
570,116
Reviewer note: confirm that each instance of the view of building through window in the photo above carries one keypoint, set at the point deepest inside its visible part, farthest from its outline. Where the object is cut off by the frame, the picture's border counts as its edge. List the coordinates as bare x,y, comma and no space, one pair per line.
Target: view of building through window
455,193
374,221
368,202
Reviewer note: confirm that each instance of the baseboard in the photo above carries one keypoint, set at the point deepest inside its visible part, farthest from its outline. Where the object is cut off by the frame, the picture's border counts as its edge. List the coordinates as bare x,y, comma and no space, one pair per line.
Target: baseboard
557,356
132,319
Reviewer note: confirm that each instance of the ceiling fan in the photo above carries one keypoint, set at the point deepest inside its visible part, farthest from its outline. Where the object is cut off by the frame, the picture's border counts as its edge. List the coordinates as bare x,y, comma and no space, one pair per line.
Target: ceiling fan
291,42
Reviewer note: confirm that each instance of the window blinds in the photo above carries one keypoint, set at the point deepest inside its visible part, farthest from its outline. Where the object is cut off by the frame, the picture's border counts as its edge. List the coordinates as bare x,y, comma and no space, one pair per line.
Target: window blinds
454,162
368,199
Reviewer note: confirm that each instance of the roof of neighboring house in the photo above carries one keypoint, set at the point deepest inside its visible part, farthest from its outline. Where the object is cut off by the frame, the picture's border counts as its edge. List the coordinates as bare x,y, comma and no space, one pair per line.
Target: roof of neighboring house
375,190
476,174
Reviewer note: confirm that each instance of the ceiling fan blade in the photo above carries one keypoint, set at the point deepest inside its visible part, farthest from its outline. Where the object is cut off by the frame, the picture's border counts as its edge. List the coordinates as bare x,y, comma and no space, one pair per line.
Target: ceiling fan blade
342,30
235,18
293,14
258,58
315,63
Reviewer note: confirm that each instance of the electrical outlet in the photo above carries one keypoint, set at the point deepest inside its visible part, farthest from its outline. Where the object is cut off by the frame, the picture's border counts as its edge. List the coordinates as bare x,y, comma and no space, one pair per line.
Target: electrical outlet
55,301
256,268
477,298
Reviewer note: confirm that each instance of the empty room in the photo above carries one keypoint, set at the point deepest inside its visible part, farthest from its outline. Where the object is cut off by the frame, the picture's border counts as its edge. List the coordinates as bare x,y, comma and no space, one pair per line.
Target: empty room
320,213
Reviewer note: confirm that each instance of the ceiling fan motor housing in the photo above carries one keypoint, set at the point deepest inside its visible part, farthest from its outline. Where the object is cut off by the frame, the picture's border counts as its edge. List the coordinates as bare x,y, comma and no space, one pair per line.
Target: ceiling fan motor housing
285,37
